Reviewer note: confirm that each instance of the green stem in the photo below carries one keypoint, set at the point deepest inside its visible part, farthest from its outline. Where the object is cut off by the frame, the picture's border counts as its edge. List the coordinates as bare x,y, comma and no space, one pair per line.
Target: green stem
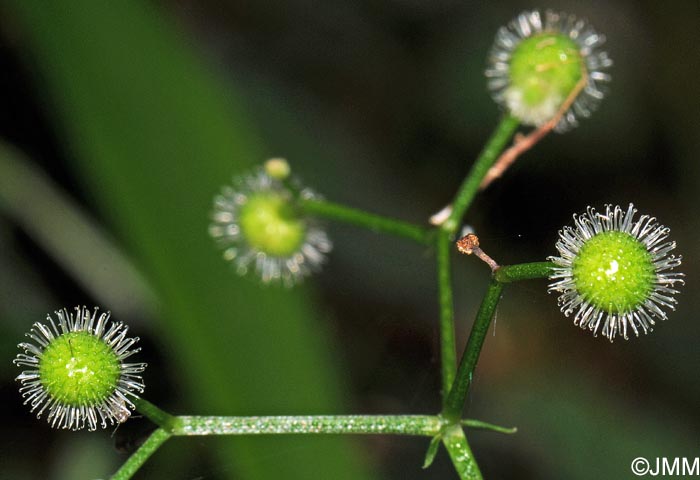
139,457
422,425
417,425
371,221
461,454
506,274
448,349
160,417
488,156
458,393
523,271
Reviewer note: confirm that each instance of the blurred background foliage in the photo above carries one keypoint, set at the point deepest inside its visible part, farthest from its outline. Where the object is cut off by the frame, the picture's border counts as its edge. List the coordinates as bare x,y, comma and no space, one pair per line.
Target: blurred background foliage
120,121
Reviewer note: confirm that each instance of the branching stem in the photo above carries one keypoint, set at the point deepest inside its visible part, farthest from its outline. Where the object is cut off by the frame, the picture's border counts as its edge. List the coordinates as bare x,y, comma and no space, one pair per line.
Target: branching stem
160,417
455,381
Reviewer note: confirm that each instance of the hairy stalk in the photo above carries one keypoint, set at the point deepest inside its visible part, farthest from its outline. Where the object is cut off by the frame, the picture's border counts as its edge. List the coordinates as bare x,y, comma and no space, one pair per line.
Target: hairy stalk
414,425
488,156
448,349
461,454
371,221
434,426
458,393
421,425
139,457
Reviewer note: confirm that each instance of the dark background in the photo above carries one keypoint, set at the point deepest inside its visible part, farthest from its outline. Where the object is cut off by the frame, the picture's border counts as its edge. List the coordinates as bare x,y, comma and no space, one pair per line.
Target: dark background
379,105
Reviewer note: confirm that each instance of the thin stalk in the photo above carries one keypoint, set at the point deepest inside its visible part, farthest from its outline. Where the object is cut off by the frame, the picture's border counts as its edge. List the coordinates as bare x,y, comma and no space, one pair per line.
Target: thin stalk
458,393
371,221
448,348
421,425
488,156
160,417
461,454
139,457
523,271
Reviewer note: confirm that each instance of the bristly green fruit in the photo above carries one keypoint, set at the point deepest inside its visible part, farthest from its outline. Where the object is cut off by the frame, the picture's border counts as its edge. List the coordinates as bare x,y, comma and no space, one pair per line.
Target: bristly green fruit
261,230
541,59
614,272
545,68
270,224
78,368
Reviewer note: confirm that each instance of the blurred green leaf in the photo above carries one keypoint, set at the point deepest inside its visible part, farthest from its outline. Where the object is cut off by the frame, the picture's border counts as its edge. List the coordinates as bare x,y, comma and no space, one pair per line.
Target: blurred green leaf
154,135
573,429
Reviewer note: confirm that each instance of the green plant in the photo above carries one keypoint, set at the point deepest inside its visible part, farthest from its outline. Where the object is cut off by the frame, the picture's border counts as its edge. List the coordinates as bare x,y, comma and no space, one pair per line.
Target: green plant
287,209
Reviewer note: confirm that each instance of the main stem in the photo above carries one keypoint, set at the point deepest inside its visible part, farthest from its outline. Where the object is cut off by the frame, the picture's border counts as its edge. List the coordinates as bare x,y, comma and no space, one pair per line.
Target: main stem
464,197
458,393
488,156
448,349
461,454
